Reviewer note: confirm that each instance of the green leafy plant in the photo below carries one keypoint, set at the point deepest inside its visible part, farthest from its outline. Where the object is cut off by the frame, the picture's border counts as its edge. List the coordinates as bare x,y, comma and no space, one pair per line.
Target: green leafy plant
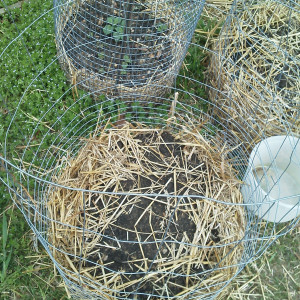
115,26
101,55
125,63
161,27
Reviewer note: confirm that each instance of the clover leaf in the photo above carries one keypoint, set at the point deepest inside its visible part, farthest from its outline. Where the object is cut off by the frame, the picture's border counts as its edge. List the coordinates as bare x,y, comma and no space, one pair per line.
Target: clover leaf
110,20
127,58
108,29
115,26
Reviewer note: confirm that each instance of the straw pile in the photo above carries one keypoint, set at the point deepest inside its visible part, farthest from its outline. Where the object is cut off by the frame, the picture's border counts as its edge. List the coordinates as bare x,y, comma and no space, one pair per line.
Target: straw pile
95,73
147,238
259,73
217,8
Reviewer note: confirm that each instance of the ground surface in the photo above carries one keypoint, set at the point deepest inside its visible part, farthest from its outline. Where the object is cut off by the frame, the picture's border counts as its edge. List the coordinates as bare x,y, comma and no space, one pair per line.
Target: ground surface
29,274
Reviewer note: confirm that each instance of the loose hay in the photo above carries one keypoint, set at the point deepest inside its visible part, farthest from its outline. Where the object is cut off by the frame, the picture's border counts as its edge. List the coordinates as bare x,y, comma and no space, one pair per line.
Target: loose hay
149,238
212,19
258,68
217,8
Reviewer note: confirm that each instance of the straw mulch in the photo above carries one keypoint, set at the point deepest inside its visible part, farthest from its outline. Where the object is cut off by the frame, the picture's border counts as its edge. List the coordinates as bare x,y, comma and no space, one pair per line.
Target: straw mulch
168,246
155,57
213,15
217,8
258,69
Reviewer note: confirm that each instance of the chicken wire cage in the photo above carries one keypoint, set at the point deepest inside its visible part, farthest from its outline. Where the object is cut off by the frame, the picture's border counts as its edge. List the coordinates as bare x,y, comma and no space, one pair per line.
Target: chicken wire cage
262,37
133,196
217,9
125,45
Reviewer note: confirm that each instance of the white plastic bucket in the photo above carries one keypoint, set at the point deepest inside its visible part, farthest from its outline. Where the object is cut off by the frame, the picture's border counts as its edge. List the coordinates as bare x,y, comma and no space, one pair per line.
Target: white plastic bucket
272,180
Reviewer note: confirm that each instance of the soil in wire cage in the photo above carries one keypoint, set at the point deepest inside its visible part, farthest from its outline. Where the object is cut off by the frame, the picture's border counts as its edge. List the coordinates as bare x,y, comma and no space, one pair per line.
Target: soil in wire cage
127,224
147,240
118,40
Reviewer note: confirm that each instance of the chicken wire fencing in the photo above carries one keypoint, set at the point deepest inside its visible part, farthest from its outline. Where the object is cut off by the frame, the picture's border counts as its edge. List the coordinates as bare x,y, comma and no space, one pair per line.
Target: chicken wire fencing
135,42
263,38
135,195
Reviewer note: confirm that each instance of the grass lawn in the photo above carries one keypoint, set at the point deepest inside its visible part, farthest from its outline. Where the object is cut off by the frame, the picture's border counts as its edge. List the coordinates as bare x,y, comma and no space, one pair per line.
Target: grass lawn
7,3
26,271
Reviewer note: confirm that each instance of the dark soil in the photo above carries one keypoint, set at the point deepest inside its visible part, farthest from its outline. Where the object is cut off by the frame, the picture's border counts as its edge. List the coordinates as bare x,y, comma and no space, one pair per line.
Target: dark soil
141,52
120,256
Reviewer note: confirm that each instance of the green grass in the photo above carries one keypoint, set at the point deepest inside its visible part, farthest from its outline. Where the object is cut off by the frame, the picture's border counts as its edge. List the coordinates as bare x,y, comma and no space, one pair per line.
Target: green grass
275,275
27,274
7,2
281,273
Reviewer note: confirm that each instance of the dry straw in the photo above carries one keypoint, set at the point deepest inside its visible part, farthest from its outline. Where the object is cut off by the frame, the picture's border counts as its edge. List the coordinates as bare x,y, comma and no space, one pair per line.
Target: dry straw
148,239
260,71
214,13
217,8
143,76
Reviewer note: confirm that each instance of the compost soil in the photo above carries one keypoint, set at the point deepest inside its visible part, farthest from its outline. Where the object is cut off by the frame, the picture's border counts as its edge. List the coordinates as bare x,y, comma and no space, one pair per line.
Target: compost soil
142,52
126,256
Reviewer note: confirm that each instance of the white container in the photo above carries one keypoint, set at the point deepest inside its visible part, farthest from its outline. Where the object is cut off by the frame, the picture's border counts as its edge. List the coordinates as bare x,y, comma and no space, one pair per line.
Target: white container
272,180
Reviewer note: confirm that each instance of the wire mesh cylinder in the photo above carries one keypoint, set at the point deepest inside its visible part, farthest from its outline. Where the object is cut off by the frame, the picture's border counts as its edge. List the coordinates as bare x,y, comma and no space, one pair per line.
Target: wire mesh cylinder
260,39
174,231
114,42
165,218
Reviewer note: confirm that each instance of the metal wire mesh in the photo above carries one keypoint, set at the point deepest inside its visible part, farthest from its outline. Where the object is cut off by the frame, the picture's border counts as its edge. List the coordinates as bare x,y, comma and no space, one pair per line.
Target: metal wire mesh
206,232
124,42
262,37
